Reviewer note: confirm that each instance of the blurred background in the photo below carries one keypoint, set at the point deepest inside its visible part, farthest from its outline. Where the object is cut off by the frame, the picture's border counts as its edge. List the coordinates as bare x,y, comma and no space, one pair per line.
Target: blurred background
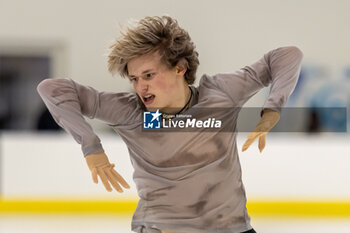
300,183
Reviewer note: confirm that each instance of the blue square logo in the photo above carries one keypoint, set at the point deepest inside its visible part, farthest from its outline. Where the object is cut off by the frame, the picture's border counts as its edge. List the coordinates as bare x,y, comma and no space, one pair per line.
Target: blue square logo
151,120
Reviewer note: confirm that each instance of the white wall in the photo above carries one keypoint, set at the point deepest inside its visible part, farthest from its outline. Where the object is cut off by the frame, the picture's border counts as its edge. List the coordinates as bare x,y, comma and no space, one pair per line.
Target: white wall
292,166
228,34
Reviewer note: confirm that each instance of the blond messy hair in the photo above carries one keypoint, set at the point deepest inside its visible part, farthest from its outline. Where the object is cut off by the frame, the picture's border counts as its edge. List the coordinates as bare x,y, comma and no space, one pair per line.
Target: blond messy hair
150,34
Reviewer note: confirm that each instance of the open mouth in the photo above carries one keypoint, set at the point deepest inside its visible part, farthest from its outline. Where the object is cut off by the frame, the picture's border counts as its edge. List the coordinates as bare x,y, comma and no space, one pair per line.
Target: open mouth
148,99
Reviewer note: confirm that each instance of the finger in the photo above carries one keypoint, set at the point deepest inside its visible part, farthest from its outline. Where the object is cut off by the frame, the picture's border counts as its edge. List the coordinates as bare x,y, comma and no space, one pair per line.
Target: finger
113,181
104,179
120,179
251,138
262,142
94,175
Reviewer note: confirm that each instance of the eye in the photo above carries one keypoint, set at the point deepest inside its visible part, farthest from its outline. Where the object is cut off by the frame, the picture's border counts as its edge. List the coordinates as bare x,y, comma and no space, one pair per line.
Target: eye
149,75
133,79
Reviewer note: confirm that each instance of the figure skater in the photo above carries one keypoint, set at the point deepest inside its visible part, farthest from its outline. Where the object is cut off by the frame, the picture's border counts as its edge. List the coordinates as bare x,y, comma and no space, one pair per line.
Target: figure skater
187,181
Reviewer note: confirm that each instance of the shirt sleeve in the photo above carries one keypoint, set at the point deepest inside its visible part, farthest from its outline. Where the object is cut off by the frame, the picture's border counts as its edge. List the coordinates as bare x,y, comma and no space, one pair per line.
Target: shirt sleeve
68,102
279,68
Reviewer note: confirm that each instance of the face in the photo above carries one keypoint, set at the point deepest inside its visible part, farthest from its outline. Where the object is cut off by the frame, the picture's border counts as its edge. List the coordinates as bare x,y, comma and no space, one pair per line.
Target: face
157,86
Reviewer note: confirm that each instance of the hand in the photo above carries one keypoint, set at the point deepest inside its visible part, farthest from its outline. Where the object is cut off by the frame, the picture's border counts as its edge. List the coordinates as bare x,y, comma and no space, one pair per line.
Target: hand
99,165
268,120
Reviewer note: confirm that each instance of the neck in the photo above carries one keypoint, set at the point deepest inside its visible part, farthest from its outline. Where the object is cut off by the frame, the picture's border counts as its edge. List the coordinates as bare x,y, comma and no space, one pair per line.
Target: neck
182,103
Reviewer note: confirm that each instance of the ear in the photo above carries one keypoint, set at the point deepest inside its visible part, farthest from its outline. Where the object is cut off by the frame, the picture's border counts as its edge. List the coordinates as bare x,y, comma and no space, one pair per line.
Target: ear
181,67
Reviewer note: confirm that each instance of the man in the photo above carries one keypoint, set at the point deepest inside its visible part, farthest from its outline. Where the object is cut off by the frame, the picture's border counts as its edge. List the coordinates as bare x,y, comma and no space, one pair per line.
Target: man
188,181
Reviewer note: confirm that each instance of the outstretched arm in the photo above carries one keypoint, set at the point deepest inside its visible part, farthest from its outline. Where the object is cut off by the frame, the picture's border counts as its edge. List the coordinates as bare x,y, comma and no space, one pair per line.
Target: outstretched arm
281,68
68,103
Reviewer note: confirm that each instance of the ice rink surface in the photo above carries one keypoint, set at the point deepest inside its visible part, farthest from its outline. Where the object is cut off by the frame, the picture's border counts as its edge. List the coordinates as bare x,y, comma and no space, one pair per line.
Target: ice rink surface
121,224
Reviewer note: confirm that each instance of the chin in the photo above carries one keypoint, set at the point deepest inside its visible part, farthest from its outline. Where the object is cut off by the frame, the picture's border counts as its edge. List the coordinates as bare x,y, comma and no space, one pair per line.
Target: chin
151,109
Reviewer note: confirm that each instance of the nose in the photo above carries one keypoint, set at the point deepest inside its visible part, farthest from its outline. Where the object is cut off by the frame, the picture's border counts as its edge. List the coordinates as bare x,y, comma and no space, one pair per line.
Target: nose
141,86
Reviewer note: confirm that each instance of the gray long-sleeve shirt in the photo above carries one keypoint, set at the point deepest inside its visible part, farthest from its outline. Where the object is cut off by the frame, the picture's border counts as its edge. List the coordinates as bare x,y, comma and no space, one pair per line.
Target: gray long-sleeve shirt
186,181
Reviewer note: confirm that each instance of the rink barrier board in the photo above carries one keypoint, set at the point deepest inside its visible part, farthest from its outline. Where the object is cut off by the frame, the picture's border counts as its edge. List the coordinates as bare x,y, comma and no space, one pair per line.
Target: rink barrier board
127,207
